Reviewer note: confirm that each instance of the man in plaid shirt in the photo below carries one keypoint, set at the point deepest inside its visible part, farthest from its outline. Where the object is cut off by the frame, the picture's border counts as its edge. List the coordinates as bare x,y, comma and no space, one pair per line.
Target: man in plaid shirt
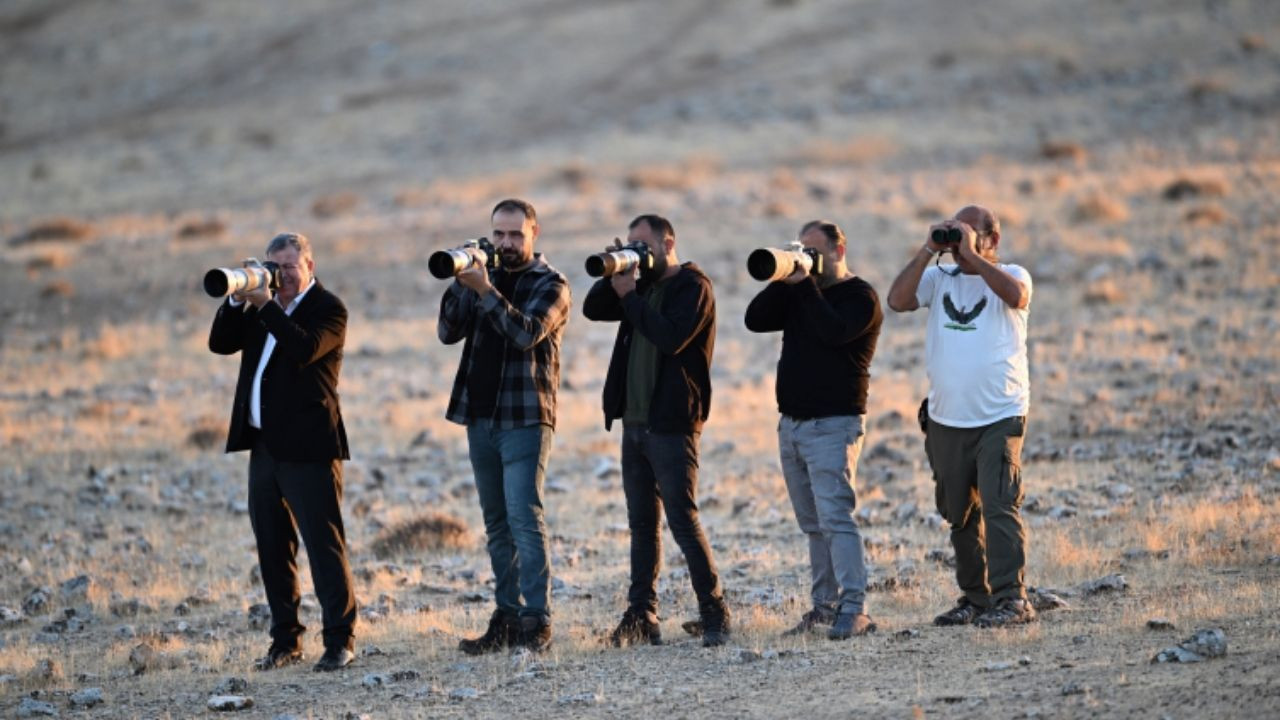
511,319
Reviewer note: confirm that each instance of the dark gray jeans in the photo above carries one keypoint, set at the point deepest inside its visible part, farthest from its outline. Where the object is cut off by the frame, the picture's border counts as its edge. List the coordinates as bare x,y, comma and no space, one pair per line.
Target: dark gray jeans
977,475
661,470
819,462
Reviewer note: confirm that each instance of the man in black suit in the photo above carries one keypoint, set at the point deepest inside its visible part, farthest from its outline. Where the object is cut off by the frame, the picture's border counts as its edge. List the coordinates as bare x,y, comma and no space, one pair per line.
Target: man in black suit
286,413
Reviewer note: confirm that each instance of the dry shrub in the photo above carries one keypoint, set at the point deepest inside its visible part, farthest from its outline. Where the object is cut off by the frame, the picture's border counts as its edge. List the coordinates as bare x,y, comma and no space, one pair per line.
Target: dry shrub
577,178
683,176
430,531
1185,187
207,433
335,204
856,151
1252,42
1063,150
1099,208
1205,215
54,229
57,289
1104,292
196,229
52,260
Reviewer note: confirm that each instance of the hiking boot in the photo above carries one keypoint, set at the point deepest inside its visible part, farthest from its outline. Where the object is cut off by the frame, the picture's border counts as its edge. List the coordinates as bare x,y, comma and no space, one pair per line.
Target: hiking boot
535,633
635,628
810,621
964,613
1009,611
503,631
715,627
849,624
278,656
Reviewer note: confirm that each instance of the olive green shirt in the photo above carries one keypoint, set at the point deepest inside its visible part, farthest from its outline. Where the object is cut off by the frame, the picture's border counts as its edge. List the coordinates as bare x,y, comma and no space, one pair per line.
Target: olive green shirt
642,364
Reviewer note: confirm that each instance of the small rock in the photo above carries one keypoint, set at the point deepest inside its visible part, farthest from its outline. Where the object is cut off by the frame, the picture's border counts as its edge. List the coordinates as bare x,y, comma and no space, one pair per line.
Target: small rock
1203,645
125,632
229,703
584,698
906,634
371,651
905,512
259,616
1106,583
76,589
30,707
747,655
231,686
9,616
1043,600
1074,688
997,666
36,601
1159,624
87,698
373,681
464,693
1061,512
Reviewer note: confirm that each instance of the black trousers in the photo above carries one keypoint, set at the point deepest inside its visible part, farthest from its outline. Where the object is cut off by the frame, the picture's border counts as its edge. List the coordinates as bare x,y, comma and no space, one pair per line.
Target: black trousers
291,498
660,470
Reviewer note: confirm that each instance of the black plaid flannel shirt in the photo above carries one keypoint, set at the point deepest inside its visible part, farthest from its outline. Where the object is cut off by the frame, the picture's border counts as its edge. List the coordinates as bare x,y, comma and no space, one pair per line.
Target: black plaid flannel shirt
526,329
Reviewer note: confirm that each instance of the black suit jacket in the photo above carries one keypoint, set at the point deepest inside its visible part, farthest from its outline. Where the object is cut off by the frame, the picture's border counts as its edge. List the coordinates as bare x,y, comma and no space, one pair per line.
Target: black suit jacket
301,417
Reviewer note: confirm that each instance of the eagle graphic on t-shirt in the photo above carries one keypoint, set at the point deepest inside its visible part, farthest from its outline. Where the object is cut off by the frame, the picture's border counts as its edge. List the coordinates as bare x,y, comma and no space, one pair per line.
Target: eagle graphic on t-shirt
961,319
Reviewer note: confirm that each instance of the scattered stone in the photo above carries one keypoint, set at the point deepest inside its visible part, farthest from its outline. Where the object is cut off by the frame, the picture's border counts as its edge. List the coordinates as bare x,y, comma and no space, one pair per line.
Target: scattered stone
1203,645
371,651
1106,583
1272,560
373,681
464,693
1061,512
87,698
906,634
129,608
747,655
584,698
942,557
231,686
1074,688
905,512
998,666
30,707
1042,599
229,703
126,632
37,600
1160,624
9,616
259,616
76,589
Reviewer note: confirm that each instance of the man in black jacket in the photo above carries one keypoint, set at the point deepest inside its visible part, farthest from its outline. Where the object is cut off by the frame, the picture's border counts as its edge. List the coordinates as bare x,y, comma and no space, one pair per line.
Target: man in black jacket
659,384
830,321
286,413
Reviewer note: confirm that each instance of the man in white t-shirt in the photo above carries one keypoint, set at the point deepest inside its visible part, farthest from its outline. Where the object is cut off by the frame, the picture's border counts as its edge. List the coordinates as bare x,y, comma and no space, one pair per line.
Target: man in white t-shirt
979,394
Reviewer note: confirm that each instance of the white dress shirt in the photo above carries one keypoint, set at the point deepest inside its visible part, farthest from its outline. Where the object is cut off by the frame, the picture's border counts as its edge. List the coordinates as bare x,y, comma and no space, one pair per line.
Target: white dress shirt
255,392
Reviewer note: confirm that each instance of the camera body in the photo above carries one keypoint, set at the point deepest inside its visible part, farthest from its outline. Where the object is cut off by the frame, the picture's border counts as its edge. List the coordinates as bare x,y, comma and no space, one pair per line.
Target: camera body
771,264
221,282
946,236
445,264
607,264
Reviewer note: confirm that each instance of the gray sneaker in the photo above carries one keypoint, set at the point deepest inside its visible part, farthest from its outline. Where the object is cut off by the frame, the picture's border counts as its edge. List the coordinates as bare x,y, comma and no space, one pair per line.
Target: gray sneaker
849,624
1009,611
810,621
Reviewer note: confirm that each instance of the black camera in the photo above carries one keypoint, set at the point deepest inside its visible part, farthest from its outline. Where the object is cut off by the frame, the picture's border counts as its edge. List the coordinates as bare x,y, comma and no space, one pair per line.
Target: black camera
770,264
445,264
946,236
607,264
221,282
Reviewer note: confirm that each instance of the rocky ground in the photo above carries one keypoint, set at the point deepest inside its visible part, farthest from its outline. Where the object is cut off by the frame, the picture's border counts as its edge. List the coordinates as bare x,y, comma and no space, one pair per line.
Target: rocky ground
1131,152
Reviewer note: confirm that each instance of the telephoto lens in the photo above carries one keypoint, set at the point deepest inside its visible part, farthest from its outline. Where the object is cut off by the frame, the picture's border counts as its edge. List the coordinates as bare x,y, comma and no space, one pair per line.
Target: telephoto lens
608,264
945,236
772,264
221,282
444,264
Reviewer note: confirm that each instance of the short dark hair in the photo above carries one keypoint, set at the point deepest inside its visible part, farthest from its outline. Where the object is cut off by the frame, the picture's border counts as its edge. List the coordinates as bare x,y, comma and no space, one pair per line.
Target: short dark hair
834,234
515,205
656,223
297,241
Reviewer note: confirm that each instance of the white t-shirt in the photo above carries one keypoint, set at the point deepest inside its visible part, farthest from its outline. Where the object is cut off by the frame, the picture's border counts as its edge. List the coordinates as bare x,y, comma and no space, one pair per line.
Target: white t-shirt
975,349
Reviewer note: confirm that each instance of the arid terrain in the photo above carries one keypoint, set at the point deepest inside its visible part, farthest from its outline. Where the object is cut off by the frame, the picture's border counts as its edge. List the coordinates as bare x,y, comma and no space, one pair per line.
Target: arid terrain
1131,149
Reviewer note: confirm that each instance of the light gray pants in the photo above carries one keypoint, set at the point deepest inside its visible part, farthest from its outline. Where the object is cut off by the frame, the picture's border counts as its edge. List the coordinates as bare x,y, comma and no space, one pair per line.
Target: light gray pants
819,462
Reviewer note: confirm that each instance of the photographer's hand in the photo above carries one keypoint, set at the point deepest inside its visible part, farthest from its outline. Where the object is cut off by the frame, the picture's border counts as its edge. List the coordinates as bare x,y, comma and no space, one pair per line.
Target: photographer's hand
623,283
933,247
258,297
968,240
797,276
476,278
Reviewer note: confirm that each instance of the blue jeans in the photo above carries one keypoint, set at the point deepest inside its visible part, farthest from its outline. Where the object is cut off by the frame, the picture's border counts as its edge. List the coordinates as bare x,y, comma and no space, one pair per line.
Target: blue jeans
819,462
509,467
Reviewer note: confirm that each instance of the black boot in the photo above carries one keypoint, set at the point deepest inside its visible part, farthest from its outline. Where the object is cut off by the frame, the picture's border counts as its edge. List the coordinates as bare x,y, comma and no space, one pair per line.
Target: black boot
715,624
503,631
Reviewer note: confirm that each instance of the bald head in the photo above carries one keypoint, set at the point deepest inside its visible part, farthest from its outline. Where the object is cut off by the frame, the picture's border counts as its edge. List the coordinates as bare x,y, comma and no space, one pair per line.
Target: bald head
986,224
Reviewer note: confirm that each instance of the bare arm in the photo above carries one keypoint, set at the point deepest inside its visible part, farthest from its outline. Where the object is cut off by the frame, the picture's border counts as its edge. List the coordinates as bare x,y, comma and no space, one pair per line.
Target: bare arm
902,293
1005,286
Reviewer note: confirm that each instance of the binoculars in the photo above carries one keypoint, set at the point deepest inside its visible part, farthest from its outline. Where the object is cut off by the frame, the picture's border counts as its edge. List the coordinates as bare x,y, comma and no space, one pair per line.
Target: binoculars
770,264
445,264
607,264
946,236
221,282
